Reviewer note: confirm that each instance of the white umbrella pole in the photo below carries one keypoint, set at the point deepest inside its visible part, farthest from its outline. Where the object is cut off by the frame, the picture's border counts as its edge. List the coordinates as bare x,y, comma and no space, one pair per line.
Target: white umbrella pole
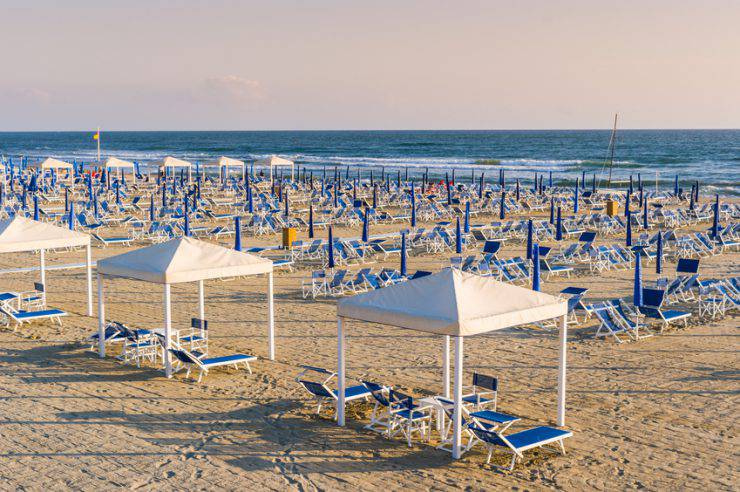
270,318
562,363
101,318
89,281
167,331
341,371
456,424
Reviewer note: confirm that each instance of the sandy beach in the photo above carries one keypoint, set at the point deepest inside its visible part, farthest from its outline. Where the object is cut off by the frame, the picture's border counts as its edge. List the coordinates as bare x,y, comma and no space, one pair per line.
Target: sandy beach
659,413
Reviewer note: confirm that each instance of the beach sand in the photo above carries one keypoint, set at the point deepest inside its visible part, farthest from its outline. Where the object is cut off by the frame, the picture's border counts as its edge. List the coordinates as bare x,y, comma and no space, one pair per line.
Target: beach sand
657,414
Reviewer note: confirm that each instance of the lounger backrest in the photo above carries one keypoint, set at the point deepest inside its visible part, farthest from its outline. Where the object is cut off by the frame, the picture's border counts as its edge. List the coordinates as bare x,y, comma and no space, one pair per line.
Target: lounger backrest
587,237
201,324
377,391
316,389
687,265
184,357
653,298
492,247
401,400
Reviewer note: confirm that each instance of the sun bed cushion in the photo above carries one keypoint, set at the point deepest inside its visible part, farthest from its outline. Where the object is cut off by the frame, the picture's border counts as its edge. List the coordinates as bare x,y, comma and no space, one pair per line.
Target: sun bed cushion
227,359
536,436
46,313
672,314
354,392
492,416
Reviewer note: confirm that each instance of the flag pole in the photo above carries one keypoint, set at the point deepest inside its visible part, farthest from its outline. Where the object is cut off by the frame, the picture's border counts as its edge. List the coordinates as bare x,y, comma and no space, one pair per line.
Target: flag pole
98,145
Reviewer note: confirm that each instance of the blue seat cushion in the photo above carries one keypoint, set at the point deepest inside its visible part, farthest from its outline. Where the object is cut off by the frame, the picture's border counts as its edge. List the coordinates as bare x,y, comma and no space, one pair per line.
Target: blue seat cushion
6,296
192,338
529,437
227,359
673,314
475,399
39,314
409,415
354,392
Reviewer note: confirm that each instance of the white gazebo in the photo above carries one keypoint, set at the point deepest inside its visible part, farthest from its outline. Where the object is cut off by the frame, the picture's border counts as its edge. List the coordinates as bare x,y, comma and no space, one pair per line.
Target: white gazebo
274,161
173,163
226,163
51,163
119,165
455,304
19,234
177,261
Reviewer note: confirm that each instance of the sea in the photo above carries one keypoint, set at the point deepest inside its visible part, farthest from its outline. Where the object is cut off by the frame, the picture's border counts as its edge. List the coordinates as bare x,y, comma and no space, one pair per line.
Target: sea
711,157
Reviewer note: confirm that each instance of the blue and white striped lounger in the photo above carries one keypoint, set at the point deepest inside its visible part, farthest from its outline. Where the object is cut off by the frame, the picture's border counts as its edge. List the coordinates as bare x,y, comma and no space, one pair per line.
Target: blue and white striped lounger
522,441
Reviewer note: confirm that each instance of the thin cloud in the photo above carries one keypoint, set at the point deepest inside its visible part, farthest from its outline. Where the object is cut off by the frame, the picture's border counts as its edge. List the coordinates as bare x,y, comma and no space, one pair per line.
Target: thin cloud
29,95
231,89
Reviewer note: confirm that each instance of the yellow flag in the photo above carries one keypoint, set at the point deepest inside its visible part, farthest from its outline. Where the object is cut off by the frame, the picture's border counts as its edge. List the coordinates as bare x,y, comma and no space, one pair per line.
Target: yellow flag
96,136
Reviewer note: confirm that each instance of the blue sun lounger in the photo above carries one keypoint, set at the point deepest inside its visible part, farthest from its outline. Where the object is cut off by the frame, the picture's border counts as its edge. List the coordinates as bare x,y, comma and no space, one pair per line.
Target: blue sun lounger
652,302
20,316
190,361
323,394
522,441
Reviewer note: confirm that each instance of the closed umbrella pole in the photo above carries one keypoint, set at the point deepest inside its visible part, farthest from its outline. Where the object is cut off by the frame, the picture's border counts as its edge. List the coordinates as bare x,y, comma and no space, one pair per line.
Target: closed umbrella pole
536,267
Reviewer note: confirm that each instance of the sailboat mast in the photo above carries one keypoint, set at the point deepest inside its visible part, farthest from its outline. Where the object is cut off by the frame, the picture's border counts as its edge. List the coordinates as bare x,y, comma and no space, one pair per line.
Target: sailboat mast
612,144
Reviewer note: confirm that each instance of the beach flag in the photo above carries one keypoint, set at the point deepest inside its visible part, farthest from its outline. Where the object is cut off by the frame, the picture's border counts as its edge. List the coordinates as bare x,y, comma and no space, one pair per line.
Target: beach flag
96,136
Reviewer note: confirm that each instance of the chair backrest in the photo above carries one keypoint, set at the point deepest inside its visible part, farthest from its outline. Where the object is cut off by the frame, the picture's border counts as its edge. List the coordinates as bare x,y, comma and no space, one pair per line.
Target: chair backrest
489,436
653,298
485,382
184,356
492,247
400,399
39,287
687,265
587,237
201,324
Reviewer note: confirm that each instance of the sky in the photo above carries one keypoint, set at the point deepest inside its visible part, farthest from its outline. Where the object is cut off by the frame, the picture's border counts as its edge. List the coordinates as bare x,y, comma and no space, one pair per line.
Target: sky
352,64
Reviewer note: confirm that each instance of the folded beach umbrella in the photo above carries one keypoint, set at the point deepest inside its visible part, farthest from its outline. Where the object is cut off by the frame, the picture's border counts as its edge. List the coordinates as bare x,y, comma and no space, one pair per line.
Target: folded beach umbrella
626,204
529,239
365,227
559,227
186,228
552,211
458,237
575,198
628,237
35,207
403,254
536,267
645,222
151,208
481,185
238,233
413,205
715,220
310,221
502,210
467,218
659,254
517,189
71,216
637,291
330,252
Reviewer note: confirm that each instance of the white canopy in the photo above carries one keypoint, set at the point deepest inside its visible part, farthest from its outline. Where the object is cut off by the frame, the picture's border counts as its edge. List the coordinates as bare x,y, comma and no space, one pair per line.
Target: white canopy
23,234
183,259
115,162
454,303
225,162
273,161
170,161
51,163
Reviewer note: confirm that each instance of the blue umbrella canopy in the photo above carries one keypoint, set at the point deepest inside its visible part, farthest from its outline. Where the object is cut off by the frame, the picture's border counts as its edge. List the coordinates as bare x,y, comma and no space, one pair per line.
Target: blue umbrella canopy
365,227
628,235
458,237
659,254
529,239
637,290
466,228
330,247
403,254
715,219
559,227
310,221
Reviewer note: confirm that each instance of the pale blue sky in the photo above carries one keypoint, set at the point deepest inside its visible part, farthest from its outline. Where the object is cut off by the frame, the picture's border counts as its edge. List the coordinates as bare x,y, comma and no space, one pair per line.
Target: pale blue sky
316,64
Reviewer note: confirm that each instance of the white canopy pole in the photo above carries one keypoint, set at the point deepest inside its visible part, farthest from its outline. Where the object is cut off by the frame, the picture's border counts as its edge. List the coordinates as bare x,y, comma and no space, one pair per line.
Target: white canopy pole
89,281
167,331
42,267
561,369
101,318
457,422
201,306
446,367
340,370
270,319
